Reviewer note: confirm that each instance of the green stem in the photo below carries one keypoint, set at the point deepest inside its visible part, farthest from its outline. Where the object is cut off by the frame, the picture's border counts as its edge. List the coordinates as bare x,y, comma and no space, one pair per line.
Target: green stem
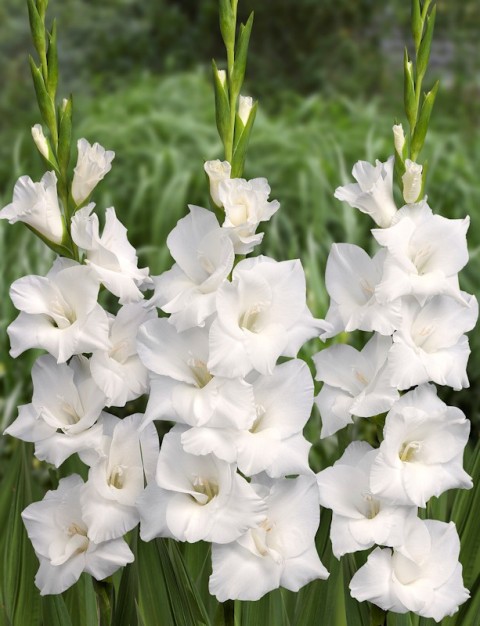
229,613
104,593
230,46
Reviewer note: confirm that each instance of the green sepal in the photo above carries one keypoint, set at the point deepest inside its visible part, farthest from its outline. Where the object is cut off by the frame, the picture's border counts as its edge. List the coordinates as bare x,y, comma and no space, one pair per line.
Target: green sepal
45,103
42,8
37,28
227,22
399,169
241,53
417,23
421,128
409,91
62,249
424,181
222,106
65,135
425,46
239,153
52,62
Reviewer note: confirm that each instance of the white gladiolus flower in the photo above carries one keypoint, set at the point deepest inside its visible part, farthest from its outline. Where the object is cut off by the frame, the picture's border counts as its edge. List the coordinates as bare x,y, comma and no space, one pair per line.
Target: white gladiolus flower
426,252
261,315
197,498
430,344
351,277
111,256
398,138
355,383
204,258
246,205
36,204
422,449
280,551
412,181
59,535
373,191
40,140
423,576
182,387
58,313
93,163
118,371
217,171
360,519
65,407
245,105
116,481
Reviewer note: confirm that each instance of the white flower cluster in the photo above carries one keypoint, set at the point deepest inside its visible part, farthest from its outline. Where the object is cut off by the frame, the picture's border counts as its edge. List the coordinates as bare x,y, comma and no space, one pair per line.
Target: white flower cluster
408,296
211,367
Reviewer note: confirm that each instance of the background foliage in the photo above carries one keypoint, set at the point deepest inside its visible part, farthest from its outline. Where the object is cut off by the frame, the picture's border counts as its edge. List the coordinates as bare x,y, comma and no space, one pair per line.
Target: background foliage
328,76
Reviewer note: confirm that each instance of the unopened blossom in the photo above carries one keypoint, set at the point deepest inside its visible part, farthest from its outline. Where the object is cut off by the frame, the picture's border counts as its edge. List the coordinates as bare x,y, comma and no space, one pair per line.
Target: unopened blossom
65,409
93,163
217,171
111,256
118,371
59,535
182,387
355,383
246,205
398,138
118,478
412,181
261,315
422,449
430,344
40,140
197,498
360,519
58,312
245,105
423,575
204,258
36,204
425,254
373,191
351,278
279,551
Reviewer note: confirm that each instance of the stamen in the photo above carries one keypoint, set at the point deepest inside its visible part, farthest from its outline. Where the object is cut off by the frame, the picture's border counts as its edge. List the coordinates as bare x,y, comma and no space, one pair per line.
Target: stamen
373,505
260,410
117,477
206,488
250,318
409,450
200,372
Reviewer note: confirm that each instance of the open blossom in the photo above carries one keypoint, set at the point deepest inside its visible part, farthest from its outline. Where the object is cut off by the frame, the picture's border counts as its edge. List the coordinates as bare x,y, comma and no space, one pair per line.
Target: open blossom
279,551
430,344
197,498
360,519
373,191
422,450
351,278
423,575
355,383
261,315
204,258
58,313
118,371
93,163
246,205
64,415
217,171
59,535
117,479
112,257
36,204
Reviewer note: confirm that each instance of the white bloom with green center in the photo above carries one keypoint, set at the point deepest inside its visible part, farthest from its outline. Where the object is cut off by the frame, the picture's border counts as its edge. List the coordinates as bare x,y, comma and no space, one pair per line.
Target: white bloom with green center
118,371
360,519
204,258
110,256
217,171
36,204
59,534
373,192
423,575
64,415
430,344
261,315
93,163
118,478
58,312
279,551
197,498
422,449
246,205
355,383
351,278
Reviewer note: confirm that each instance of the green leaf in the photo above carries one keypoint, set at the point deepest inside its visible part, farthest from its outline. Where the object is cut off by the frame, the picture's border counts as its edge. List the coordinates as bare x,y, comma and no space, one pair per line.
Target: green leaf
52,62
45,103
240,150
55,612
425,46
356,612
126,605
241,54
421,127
81,602
222,106
409,91
227,22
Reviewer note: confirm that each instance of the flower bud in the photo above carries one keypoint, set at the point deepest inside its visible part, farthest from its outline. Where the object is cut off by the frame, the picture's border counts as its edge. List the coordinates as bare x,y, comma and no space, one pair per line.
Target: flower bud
398,138
222,77
217,171
244,107
412,181
93,163
40,140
